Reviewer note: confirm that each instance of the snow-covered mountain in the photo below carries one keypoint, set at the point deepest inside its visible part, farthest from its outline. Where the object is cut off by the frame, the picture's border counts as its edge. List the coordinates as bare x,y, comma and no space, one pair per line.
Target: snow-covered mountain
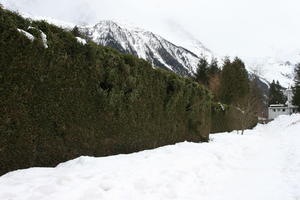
147,45
272,69
180,54
154,48
182,58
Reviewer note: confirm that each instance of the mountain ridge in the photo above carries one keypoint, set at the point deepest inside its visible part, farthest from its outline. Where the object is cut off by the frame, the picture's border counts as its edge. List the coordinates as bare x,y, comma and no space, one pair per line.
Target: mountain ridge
181,59
192,45
145,44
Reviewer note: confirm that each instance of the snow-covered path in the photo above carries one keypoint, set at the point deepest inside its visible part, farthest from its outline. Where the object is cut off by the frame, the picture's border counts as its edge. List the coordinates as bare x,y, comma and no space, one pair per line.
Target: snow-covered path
263,164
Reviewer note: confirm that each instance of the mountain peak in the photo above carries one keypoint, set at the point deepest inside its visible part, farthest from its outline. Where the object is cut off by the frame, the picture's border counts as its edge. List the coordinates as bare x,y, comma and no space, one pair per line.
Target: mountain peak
147,45
107,23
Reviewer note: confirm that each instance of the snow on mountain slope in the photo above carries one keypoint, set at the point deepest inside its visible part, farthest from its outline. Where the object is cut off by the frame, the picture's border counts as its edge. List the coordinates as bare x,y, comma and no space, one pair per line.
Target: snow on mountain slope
146,45
272,69
181,55
181,37
10,6
263,164
28,35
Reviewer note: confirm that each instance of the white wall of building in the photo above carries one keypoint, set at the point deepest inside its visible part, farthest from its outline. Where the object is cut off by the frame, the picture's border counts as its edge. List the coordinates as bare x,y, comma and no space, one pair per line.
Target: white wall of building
280,109
276,111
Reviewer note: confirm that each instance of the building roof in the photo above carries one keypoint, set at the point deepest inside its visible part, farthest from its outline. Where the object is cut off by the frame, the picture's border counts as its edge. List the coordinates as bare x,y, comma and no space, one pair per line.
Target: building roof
277,105
282,106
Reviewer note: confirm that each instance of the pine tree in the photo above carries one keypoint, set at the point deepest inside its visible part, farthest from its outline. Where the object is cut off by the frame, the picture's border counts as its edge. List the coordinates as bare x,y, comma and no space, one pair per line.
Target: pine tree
214,78
234,83
201,75
76,31
296,88
213,68
276,95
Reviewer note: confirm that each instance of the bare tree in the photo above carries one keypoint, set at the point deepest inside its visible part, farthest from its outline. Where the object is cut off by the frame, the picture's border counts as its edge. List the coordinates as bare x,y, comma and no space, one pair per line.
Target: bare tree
214,85
248,109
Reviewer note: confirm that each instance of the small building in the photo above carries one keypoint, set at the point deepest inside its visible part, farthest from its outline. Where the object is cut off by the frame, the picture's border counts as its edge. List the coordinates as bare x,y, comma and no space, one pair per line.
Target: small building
280,109
288,108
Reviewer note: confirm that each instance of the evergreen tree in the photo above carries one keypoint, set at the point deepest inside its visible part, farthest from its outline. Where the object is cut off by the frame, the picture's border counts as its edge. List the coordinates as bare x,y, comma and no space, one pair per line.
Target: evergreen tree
276,95
296,89
214,78
234,83
201,75
76,31
213,68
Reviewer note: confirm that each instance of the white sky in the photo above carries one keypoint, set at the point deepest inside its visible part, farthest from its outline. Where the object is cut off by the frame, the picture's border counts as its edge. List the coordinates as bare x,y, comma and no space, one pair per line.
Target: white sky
246,28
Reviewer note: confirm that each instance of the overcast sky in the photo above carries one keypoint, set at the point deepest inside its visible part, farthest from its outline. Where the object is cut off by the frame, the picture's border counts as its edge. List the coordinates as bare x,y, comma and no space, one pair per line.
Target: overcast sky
246,28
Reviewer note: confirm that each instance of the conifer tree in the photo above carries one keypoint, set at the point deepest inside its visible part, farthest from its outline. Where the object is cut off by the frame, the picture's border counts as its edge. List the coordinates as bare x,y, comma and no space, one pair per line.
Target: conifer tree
76,31
296,88
213,68
234,83
201,75
214,78
276,95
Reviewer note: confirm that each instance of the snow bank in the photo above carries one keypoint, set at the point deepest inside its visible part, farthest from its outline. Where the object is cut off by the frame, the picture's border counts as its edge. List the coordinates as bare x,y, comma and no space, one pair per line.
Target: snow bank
263,164
43,36
28,35
31,37
81,40
44,39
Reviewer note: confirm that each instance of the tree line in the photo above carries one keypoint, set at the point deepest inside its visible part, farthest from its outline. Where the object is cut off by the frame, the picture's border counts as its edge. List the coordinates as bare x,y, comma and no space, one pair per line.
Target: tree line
231,85
296,88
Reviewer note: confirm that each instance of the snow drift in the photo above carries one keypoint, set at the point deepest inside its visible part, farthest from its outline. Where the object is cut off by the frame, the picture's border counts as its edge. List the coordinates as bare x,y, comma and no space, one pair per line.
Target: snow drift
263,164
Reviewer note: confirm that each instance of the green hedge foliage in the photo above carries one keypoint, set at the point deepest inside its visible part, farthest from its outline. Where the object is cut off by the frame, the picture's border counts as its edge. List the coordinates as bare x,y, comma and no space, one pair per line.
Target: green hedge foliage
226,118
70,99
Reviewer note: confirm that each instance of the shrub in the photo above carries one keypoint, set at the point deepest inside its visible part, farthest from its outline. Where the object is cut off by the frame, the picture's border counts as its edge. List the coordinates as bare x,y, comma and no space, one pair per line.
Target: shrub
72,99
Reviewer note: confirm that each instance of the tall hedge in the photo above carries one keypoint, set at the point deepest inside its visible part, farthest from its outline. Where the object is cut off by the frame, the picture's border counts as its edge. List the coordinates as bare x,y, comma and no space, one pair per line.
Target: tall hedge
71,99
226,118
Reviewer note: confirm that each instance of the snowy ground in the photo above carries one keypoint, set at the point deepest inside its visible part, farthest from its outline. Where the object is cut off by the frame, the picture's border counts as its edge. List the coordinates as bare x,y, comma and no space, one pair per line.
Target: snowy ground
264,164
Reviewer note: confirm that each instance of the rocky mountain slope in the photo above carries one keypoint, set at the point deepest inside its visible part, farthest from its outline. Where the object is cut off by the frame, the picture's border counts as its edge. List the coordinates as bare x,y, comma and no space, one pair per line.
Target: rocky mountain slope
180,59
147,45
273,69
154,48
